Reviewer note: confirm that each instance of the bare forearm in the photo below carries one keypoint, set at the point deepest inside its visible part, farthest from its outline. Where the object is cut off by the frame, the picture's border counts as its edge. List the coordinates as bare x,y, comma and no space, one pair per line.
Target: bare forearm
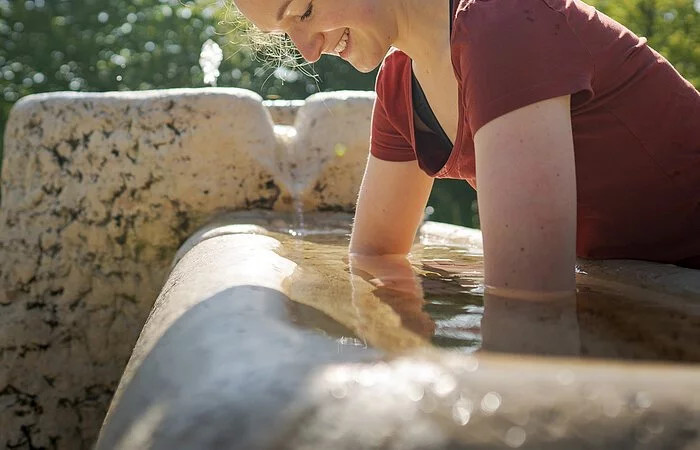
389,208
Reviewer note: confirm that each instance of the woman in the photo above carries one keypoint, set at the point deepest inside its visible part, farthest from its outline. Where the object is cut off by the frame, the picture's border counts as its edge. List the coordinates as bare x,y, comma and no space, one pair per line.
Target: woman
584,140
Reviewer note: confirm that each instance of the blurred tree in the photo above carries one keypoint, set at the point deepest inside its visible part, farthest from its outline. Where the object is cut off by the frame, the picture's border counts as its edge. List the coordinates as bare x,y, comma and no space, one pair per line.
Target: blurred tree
106,45
672,28
103,45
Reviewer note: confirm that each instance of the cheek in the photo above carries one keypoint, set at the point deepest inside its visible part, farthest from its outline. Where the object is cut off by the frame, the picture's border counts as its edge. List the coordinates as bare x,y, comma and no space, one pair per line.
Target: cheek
367,11
359,12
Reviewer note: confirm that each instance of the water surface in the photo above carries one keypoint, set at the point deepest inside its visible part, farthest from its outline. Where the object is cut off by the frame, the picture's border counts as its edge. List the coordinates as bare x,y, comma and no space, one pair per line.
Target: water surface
440,302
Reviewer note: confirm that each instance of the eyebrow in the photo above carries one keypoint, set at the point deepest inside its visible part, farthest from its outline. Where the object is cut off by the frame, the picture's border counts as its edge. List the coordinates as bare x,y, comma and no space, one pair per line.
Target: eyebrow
283,9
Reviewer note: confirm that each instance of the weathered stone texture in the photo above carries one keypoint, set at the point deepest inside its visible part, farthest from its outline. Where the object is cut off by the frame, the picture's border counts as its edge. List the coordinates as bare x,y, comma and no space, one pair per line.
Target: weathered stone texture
321,158
283,112
333,130
98,192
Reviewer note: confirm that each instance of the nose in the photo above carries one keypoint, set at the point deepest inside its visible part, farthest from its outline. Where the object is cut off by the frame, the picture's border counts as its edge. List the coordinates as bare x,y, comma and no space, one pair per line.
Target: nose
310,45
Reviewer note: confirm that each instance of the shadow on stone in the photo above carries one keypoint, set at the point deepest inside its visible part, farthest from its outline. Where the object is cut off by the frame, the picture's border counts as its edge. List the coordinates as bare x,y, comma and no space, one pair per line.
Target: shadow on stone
222,375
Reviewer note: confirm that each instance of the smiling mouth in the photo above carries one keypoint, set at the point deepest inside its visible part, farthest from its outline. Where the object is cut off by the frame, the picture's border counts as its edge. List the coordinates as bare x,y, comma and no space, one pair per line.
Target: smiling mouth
343,43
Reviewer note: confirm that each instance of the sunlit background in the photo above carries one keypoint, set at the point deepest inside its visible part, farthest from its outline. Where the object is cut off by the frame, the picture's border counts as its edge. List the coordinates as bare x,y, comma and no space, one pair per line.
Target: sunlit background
107,45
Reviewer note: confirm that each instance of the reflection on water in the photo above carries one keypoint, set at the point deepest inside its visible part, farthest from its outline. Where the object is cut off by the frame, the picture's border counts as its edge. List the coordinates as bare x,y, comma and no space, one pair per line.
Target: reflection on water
454,295
436,298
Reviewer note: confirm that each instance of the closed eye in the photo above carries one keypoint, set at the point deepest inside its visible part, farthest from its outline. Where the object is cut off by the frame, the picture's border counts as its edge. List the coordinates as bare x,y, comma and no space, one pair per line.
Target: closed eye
307,13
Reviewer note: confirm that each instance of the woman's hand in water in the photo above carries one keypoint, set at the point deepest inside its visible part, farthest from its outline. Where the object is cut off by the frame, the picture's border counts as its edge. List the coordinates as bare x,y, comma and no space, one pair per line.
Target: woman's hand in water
397,286
391,272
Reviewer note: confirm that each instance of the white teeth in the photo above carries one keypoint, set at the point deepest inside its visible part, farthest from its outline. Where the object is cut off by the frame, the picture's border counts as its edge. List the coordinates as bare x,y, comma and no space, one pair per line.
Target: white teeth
343,43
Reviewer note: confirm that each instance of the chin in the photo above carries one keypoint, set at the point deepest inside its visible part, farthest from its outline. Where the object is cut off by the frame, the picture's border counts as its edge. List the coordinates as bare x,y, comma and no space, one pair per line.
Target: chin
365,69
366,66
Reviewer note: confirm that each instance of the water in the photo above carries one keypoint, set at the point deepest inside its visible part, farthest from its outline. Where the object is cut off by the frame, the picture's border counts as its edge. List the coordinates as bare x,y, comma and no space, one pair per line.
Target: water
436,298
210,58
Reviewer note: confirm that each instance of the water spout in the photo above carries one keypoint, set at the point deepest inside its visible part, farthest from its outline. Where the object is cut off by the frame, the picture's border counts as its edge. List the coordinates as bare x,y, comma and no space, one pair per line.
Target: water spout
288,171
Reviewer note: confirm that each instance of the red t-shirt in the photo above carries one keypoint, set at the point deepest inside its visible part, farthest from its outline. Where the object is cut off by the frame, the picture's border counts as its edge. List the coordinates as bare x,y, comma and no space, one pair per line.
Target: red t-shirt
636,121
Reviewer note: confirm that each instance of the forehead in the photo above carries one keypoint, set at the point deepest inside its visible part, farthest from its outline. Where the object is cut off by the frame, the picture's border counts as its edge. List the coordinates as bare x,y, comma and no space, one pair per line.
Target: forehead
263,13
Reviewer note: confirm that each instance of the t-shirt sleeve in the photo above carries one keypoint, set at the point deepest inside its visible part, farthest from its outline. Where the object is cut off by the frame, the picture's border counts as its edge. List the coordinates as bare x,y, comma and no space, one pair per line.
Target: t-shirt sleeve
513,53
386,140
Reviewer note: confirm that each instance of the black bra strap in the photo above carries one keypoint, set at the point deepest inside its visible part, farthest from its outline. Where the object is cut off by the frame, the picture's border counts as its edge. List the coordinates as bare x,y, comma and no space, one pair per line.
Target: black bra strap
440,154
426,114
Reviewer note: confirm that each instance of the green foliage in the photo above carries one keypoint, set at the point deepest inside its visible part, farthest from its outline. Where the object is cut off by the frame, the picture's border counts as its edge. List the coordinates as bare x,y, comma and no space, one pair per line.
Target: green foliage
107,45
453,201
672,28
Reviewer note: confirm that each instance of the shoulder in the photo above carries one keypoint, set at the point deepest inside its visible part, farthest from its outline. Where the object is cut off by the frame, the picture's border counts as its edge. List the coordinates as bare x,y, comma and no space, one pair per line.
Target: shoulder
509,54
519,29
392,72
483,17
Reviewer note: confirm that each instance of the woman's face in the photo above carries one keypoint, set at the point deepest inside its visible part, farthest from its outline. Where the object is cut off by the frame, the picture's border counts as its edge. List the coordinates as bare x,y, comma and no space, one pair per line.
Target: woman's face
358,31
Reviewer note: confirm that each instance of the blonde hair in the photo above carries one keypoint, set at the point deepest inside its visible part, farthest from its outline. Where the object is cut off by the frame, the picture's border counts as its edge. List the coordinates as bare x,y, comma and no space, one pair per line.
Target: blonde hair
276,48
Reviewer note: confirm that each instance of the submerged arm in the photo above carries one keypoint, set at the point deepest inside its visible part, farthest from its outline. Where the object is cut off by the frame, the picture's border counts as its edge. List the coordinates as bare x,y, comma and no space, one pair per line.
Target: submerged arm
390,207
527,200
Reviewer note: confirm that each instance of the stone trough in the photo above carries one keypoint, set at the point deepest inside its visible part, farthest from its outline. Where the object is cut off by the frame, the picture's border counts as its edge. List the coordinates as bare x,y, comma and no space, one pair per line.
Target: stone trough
99,191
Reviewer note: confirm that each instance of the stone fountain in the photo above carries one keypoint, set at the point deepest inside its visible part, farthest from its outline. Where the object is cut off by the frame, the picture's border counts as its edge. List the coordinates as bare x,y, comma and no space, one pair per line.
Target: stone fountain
144,264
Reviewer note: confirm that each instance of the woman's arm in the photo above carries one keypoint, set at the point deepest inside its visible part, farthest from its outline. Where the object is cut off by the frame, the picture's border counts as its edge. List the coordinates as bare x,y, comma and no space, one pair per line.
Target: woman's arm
526,182
390,207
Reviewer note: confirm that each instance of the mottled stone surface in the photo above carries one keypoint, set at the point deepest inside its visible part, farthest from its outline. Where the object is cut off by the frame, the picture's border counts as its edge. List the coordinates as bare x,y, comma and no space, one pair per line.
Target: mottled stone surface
340,146
98,192
321,158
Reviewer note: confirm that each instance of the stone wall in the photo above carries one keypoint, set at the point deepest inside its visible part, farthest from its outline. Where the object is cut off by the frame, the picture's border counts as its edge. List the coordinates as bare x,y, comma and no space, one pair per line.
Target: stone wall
99,191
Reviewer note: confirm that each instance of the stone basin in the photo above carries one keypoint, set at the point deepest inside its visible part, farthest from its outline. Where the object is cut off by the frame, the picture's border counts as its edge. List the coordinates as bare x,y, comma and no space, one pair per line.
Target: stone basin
263,336
263,339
